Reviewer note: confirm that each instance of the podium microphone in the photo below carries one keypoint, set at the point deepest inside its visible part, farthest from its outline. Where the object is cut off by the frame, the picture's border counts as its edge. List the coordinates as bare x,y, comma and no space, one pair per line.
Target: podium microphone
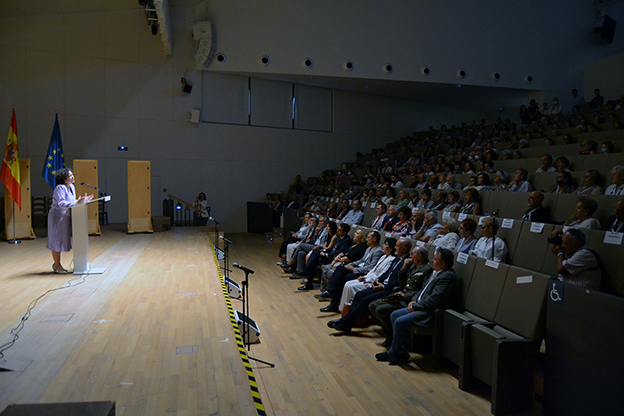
225,239
243,268
91,186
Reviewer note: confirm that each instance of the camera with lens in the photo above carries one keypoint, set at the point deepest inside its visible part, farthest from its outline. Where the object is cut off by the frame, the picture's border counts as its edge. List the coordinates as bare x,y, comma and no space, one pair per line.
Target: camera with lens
556,238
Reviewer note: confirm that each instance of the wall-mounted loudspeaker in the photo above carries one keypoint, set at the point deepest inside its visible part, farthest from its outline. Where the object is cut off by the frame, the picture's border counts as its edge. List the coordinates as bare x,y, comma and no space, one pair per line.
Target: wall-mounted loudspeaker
250,327
233,288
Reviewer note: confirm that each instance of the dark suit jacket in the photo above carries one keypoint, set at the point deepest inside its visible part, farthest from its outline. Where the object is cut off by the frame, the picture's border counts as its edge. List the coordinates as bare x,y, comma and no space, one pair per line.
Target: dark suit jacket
541,214
443,292
610,221
394,273
390,223
341,246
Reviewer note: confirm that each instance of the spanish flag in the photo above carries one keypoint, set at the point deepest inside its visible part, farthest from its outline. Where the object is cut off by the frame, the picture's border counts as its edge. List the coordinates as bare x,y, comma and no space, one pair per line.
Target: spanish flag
10,172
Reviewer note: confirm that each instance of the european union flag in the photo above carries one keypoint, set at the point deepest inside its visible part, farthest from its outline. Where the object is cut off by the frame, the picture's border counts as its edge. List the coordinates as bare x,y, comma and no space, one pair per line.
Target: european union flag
55,159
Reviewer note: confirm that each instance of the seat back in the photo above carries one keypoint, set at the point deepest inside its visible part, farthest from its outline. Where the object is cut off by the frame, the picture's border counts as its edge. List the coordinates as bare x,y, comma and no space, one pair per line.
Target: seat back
564,207
532,247
517,204
522,304
597,161
465,273
485,289
509,236
498,202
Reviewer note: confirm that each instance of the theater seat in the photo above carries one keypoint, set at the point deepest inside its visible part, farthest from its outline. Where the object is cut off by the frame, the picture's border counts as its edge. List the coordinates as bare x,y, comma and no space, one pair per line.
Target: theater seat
480,306
504,355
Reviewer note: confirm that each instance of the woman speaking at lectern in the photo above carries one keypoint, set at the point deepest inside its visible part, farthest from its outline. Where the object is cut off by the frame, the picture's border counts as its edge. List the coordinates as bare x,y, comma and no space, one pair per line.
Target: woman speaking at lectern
59,217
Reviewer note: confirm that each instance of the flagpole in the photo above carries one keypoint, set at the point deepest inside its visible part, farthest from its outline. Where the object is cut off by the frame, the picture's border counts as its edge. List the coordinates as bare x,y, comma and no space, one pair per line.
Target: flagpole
14,241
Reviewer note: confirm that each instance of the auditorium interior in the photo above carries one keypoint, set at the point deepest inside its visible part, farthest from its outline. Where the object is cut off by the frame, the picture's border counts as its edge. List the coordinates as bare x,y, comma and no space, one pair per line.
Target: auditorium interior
260,104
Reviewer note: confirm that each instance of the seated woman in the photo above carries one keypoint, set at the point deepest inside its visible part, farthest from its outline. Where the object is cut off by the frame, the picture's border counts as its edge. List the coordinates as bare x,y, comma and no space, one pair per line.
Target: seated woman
607,147
440,201
588,147
483,247
403,199
590,187
469,168
453,202
353,286
447,237
389,198
402,228
582,217
483,182
466,231
562,164
564,185
471,205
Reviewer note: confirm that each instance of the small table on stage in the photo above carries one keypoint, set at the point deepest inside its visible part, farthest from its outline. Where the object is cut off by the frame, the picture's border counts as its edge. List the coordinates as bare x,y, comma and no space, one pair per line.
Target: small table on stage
80,244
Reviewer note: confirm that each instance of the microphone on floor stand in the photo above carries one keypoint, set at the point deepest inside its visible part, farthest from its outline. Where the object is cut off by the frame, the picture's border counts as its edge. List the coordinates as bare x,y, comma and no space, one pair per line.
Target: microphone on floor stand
243,268
225,239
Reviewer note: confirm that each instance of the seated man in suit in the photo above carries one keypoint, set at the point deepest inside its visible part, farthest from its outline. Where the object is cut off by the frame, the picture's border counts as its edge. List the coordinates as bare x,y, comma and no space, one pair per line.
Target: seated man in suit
381,218
393,218
615,222
416,270
442,290
319,256
536,211
381,288
343,269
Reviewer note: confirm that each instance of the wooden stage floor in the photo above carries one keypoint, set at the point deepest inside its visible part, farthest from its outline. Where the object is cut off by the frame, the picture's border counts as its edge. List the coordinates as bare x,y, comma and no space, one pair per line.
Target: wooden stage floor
116,336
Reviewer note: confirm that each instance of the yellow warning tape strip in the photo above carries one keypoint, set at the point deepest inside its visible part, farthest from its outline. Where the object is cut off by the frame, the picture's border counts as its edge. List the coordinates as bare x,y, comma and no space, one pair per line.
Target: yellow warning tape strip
255,393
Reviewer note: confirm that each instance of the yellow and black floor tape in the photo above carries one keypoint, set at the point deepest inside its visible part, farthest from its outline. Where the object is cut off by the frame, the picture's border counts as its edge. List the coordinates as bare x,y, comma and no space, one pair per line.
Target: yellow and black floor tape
255,393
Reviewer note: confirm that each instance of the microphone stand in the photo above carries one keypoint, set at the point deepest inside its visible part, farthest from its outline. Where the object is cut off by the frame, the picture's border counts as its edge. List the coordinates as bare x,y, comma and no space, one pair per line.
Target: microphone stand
216,235
226,249
245,300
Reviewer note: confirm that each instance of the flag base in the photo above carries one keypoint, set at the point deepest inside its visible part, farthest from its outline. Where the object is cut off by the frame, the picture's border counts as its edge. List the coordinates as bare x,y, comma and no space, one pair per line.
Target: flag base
14,242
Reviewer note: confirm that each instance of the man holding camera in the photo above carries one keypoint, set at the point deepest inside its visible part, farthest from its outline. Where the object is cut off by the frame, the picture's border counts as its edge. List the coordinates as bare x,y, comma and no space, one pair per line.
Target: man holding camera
576,263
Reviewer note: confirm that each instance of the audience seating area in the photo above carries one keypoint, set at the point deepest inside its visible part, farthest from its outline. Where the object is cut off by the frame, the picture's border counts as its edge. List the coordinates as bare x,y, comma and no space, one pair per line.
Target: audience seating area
497,336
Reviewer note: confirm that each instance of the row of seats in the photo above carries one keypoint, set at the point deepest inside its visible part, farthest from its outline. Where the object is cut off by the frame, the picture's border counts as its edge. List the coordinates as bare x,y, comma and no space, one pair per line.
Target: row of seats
536,147
532,160
528,248
497,337
514,204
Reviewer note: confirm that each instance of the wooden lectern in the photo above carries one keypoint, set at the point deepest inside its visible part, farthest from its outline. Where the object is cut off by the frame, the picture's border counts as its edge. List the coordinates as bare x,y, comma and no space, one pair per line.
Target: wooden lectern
80,243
